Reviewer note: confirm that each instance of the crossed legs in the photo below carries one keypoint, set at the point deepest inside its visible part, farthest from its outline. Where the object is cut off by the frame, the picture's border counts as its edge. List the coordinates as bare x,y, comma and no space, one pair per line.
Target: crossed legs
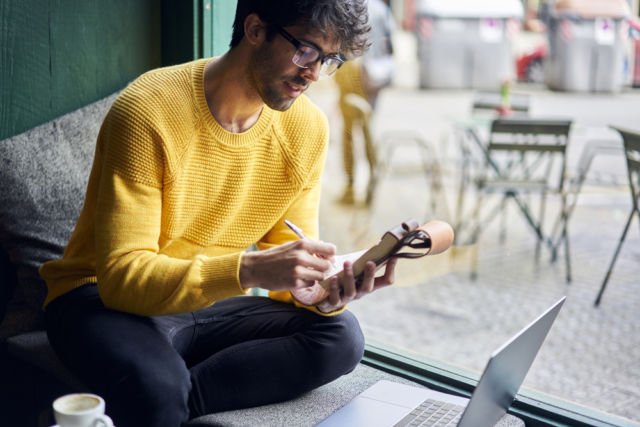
238,353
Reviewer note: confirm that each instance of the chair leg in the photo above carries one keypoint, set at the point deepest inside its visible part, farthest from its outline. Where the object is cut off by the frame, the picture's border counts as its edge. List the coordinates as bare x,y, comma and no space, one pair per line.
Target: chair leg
613,261
567,255
460,199
475,237
503,221
553,246
527,215
475,234
436,189
541,214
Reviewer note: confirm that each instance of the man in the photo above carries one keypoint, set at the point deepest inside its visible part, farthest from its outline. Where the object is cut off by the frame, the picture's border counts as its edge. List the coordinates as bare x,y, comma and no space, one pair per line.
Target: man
365,78
194,164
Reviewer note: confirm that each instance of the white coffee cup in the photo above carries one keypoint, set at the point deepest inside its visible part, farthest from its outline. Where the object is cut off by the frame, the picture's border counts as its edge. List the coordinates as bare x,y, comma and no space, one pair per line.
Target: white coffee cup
81,410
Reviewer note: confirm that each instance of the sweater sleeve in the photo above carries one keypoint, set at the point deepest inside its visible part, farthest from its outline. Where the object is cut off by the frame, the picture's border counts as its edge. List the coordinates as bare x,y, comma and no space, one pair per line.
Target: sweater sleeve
132,275
304,212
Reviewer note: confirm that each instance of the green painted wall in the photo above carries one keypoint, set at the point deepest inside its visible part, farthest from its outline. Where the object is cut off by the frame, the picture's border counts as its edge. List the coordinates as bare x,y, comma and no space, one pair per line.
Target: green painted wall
57,55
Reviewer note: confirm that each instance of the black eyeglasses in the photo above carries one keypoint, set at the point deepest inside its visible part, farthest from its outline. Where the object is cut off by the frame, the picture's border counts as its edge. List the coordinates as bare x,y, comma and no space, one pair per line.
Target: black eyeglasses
307,55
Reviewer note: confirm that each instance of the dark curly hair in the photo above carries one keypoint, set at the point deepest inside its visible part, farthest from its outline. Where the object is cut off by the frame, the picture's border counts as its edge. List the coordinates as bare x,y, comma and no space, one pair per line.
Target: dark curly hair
347,20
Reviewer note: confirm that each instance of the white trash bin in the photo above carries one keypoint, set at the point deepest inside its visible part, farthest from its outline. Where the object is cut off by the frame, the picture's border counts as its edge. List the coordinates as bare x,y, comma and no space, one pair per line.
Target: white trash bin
588,44
466,43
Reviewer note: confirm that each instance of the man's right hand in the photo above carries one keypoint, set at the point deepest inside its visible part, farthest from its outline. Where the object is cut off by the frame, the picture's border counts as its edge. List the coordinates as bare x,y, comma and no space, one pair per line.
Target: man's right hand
293,265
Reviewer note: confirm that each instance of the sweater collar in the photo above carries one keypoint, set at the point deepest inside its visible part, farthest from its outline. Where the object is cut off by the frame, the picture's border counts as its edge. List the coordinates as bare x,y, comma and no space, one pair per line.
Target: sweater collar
250,136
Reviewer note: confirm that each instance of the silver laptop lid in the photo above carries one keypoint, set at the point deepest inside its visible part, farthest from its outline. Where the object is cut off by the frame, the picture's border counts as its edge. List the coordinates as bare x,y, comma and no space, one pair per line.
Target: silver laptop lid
506,370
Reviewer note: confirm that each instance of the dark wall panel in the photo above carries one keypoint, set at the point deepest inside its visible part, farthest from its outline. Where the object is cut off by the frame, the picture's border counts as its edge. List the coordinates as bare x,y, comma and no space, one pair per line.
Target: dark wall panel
25,81
57,55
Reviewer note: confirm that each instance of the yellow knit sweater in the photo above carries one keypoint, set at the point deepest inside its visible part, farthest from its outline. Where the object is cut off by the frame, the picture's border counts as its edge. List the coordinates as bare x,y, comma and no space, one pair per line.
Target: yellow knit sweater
174,199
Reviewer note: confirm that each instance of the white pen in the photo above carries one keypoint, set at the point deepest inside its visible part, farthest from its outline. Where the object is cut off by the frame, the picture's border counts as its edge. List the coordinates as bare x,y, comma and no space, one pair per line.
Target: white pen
295,229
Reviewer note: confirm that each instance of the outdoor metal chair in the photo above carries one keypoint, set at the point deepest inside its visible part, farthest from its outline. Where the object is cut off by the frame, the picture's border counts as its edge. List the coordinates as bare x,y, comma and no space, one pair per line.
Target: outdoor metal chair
631,141
523,156
485,106
592,150
387,147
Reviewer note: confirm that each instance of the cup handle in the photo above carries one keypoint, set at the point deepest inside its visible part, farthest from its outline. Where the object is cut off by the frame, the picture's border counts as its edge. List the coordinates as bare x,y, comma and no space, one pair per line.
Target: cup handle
103,421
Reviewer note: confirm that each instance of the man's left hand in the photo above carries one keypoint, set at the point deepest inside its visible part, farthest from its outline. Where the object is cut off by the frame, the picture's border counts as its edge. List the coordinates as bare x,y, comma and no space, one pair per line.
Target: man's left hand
340,294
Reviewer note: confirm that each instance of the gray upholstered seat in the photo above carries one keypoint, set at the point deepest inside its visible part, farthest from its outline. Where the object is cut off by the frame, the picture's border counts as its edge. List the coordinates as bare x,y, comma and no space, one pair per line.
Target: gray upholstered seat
33,347
43,176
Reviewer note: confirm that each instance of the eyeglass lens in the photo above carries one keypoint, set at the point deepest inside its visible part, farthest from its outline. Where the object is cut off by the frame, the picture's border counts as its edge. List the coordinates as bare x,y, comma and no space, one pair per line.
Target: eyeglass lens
306,56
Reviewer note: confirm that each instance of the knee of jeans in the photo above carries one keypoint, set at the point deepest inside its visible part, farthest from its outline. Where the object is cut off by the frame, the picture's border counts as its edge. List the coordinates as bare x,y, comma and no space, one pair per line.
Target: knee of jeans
347,346
157,389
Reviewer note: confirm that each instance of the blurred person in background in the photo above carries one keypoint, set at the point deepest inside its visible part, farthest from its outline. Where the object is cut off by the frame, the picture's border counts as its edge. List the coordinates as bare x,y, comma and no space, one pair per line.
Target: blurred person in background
360,82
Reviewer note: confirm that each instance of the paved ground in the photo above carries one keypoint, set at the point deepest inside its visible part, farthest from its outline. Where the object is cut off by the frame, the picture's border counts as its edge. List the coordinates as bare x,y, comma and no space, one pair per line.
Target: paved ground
592,355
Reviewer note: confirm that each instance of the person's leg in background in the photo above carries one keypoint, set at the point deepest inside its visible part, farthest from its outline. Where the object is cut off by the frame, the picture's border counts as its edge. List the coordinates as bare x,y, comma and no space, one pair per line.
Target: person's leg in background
349,81
372,156
348,197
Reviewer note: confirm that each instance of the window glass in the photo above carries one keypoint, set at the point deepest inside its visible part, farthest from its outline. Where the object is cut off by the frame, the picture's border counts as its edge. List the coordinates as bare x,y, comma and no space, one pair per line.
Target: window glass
436,309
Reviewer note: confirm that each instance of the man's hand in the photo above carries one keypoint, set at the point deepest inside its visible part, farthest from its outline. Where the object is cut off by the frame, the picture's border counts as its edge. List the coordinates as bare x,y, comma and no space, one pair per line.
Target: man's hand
294,265
350,291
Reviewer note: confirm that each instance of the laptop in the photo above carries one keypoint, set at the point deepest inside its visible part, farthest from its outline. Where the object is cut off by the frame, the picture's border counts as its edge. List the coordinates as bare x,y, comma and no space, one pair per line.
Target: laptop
388,403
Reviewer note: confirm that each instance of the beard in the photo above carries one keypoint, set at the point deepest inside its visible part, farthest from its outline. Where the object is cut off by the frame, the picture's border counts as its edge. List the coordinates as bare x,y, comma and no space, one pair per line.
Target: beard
271,85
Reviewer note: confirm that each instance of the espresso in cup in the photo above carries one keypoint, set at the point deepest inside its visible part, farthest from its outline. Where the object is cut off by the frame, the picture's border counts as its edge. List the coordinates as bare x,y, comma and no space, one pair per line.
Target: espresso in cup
80,410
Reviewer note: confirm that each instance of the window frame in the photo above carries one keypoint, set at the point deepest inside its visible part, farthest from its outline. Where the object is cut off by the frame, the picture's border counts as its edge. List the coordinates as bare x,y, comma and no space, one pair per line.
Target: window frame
533,407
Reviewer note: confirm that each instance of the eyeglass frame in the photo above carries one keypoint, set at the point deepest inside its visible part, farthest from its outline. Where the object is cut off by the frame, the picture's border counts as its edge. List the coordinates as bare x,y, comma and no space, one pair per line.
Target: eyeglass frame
321,56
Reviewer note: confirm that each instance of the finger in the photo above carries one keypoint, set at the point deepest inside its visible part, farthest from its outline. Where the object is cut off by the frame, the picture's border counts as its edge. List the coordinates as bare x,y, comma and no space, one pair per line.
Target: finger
334,294
301,284
307,274
389,274
319,248
332,302
309,261
368,279
300,256
307,258
348,281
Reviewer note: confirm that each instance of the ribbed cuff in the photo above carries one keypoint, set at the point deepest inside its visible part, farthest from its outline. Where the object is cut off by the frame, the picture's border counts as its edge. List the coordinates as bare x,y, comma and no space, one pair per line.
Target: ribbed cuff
221,277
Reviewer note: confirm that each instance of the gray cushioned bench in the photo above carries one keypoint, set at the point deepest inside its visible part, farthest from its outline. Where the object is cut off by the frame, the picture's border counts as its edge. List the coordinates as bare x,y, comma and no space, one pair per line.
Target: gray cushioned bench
43,175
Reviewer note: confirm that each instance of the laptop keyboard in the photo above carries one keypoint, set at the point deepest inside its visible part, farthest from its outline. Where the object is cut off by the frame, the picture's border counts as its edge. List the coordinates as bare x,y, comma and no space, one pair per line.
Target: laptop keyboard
432,413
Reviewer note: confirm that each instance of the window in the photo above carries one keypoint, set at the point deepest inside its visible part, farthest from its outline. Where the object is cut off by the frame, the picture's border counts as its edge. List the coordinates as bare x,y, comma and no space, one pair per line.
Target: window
439,322
437,325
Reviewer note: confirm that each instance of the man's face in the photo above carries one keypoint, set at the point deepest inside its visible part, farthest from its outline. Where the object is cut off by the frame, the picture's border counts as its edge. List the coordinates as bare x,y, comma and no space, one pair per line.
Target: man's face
275,77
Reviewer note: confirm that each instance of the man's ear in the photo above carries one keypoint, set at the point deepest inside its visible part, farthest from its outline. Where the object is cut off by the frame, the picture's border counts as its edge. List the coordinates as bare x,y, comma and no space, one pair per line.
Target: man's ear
255,30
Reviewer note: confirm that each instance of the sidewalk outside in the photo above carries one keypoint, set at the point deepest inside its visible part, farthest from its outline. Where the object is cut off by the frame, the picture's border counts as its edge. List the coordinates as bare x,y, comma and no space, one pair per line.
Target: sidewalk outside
592,355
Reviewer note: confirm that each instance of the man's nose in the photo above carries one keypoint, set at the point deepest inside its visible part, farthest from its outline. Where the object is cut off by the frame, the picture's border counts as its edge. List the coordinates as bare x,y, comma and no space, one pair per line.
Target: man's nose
312,72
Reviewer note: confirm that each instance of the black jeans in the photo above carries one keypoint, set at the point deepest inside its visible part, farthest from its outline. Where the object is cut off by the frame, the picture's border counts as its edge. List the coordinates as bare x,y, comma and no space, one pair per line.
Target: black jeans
164,370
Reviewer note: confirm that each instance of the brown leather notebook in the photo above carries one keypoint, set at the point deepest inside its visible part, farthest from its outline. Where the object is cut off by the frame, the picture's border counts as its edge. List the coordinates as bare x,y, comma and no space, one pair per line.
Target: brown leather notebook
407,240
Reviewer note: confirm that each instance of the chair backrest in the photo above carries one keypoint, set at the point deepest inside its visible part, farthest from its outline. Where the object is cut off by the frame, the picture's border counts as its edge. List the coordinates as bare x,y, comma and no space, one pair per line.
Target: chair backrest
631,140
528,149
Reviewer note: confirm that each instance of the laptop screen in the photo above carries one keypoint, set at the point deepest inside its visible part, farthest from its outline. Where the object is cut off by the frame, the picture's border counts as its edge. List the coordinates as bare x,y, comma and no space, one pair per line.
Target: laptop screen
505,371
